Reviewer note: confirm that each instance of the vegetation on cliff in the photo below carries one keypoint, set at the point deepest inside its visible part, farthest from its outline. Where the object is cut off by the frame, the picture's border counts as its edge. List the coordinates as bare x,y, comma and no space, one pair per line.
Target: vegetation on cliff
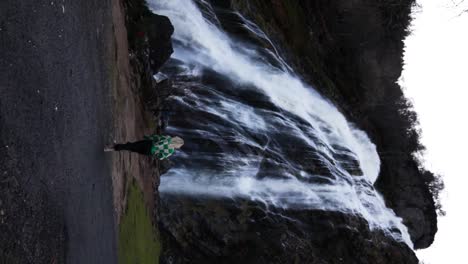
138,240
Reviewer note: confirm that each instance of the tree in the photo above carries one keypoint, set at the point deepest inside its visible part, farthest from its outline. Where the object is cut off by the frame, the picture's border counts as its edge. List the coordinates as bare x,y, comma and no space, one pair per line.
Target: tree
458,5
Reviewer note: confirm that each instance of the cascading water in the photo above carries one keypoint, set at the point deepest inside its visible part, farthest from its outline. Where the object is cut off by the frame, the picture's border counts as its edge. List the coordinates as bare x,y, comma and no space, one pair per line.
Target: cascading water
254,130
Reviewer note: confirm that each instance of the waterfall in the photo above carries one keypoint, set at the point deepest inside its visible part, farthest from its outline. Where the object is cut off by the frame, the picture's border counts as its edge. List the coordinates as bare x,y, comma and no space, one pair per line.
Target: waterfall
253,129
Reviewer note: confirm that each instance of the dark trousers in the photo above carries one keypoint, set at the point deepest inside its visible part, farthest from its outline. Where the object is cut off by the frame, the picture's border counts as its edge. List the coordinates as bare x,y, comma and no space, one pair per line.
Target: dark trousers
142,147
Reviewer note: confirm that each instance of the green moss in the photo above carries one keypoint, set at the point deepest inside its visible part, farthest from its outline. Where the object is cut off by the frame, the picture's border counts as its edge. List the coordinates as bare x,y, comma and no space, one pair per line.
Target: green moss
138,239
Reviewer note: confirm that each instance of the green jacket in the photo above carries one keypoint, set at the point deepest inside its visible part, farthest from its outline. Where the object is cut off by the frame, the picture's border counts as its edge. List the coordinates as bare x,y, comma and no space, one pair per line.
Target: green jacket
160,148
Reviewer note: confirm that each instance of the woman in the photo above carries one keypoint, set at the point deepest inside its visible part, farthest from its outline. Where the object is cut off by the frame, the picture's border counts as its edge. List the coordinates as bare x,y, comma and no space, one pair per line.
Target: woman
159,146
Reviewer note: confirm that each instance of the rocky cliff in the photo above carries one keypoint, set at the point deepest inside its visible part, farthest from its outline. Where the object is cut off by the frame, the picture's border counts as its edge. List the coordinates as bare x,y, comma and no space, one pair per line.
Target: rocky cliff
227,231
351,51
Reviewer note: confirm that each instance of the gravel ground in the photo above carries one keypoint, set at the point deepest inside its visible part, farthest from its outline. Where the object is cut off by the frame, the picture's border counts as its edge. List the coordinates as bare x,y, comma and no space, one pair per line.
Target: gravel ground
55,184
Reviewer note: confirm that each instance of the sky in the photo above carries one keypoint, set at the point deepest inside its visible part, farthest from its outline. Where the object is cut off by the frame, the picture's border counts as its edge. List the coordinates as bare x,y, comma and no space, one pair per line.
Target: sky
435,78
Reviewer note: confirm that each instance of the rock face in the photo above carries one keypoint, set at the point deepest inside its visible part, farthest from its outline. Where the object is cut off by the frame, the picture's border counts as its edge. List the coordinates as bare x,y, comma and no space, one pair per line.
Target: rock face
201,230
352,52
159,31
150,45
149,34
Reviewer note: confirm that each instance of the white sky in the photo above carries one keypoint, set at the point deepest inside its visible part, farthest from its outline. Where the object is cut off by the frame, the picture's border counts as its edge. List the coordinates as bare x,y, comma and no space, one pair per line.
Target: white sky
436,79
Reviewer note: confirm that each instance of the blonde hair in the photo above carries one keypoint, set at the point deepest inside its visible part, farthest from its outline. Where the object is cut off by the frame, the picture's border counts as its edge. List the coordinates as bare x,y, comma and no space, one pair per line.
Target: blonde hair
176,142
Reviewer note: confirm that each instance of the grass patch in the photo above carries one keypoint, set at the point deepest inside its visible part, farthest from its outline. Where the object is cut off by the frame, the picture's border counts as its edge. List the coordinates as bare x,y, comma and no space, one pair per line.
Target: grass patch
138,239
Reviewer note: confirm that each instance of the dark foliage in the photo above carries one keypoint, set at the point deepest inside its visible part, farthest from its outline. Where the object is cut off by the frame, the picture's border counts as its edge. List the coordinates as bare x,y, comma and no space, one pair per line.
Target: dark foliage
436,185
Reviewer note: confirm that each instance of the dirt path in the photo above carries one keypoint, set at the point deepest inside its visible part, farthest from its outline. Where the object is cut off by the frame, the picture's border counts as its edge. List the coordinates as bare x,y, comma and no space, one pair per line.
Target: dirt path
131,121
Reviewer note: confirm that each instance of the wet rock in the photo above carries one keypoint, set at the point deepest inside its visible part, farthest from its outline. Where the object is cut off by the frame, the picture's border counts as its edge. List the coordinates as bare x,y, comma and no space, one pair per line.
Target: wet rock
148,33
410,200
159,30
206,230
